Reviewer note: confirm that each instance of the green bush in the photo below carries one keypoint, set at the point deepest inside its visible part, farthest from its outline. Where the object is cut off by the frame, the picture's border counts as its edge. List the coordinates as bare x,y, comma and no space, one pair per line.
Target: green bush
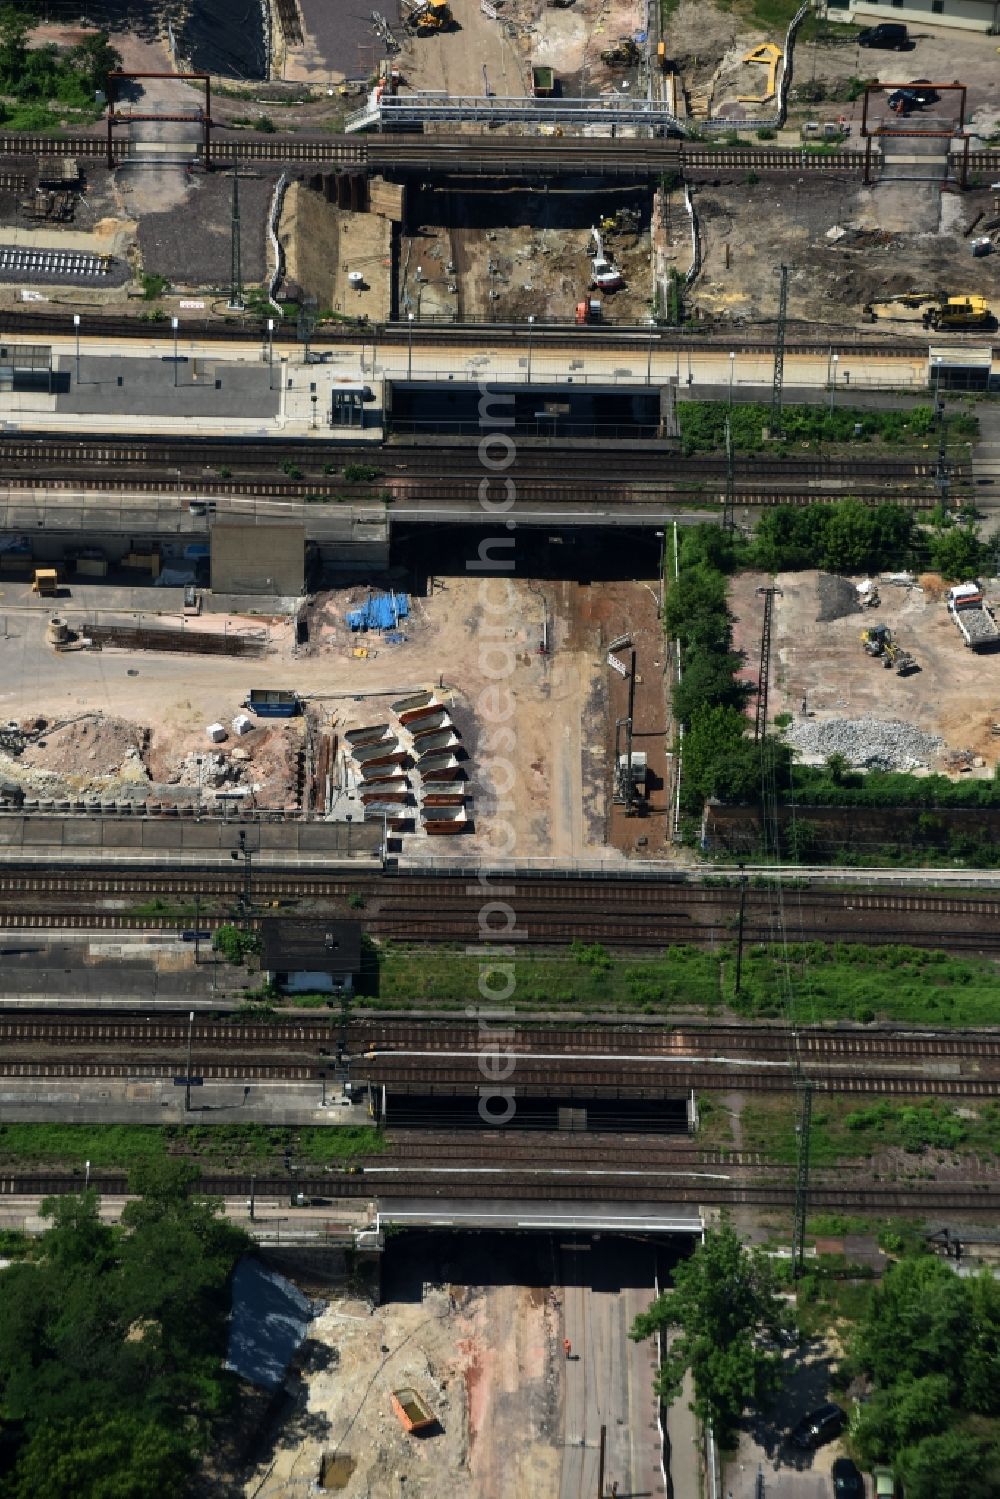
235,944
153,286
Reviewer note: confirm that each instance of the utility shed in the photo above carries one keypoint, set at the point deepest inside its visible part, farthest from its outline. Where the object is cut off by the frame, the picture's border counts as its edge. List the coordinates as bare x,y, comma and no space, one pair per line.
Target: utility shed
306,957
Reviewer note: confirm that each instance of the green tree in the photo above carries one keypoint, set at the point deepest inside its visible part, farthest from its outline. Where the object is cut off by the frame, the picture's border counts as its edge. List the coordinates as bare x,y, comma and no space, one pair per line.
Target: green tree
709,679
723,1298
93,60
952,1465
917,1323
838,767
15,28
911,1410
121,1456
956,553
111,1343
981,1367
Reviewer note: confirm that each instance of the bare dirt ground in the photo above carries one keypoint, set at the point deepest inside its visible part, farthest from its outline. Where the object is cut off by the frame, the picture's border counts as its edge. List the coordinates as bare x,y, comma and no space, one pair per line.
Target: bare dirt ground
323,244
529,33
521,253
516,1414
484,1358
899,236
632,610
955,694
464,639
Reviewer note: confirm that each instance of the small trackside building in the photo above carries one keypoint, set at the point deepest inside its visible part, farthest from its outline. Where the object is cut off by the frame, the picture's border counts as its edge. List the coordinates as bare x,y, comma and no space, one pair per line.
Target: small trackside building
311,957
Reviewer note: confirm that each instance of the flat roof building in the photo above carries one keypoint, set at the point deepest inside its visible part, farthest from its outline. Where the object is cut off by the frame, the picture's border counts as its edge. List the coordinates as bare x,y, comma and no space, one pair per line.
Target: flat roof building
304,957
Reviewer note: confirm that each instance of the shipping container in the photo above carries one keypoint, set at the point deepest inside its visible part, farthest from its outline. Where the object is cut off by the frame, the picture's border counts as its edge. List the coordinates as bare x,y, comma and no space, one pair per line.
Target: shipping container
271,702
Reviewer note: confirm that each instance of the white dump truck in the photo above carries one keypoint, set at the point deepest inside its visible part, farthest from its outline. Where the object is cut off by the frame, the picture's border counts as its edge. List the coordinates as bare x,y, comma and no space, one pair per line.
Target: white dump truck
973,616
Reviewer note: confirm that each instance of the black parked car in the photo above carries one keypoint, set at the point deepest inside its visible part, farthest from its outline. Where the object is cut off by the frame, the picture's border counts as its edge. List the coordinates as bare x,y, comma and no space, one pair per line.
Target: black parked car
847,1481
820,1426
890,35
921,88
902,100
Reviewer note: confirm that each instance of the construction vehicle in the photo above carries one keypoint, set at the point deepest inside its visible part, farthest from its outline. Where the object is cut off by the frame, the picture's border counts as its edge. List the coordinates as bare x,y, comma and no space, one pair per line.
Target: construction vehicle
973,616
875,639
603,272
45,582
624,54
428,16
958,313
894,657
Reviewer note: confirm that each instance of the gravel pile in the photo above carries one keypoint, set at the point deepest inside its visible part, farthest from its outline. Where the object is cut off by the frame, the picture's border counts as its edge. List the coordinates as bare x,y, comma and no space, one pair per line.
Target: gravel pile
870,743
979,624
837,597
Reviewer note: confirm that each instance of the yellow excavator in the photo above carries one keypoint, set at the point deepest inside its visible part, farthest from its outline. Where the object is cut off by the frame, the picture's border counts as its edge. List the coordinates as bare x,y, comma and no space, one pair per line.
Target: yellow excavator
428,16
960,312
624,54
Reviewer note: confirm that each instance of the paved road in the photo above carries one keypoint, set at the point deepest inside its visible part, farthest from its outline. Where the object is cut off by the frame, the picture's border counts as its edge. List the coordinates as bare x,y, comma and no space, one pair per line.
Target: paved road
608,1383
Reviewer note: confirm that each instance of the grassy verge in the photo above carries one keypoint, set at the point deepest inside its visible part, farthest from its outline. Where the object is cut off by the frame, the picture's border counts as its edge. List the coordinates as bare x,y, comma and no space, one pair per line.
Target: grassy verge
224,1147
810,982
585,977
848,981
843,1130
703,423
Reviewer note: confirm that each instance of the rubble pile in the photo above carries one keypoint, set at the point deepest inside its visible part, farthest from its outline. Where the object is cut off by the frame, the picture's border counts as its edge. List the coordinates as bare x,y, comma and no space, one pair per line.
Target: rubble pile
868,743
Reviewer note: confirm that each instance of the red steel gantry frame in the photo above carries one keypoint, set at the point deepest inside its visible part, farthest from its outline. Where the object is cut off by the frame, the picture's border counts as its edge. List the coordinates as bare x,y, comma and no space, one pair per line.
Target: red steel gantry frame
948,133
203,117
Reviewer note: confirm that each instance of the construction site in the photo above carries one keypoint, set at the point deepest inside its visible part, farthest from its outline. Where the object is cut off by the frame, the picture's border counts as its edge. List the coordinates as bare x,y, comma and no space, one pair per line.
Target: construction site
454,245
367,705
894,673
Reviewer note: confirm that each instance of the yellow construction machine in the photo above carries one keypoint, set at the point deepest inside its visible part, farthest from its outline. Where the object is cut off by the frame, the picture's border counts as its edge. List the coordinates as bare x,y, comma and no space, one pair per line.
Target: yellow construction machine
428,16
958,313
624,54
878,640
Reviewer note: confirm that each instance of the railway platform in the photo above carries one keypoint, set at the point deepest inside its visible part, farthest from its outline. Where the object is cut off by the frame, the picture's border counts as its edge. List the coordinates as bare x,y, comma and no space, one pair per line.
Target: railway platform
40,841
542,1217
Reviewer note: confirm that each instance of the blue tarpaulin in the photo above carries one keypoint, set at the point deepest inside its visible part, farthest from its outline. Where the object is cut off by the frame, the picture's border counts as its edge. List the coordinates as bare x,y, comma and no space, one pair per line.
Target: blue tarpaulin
383,611
270,1318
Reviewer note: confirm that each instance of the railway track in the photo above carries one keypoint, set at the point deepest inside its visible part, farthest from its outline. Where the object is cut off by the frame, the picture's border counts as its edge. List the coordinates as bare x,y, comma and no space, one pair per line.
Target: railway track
411,478
551,912
823,1044
406,466
258,472
623,338
593,156
535,1079
920,1197
614,1061
538,1079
